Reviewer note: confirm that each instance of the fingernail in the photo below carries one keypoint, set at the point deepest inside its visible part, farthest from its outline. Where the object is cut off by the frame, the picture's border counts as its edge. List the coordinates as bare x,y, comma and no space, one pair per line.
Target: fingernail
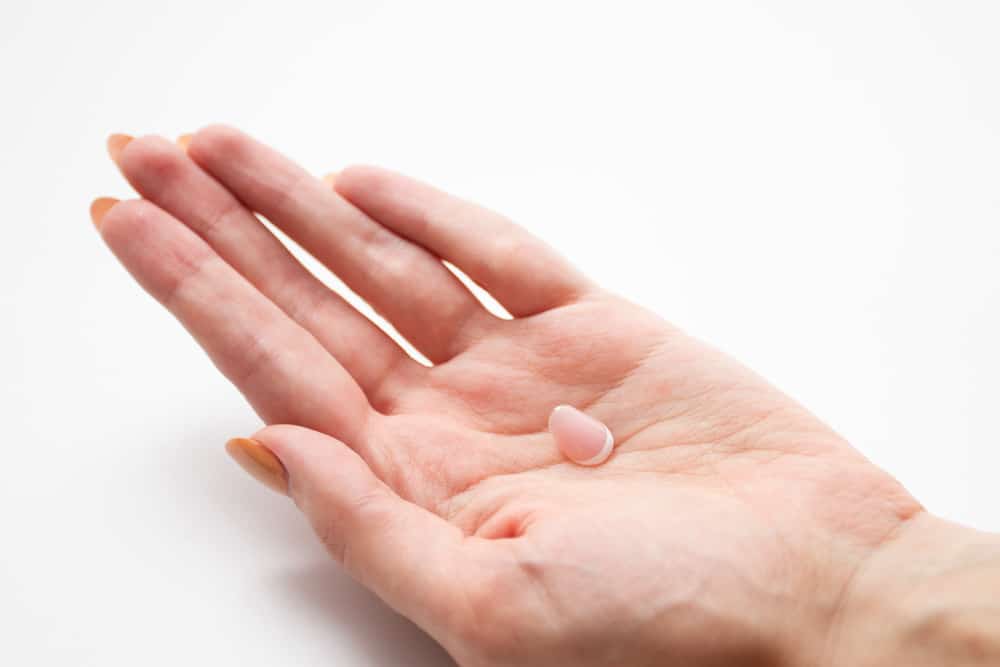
116,143
258,460
99,208
581,438
184,140
330,178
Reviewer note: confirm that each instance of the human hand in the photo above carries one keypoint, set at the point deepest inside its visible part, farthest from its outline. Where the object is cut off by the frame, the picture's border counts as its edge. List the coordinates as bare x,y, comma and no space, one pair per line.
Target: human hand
727,524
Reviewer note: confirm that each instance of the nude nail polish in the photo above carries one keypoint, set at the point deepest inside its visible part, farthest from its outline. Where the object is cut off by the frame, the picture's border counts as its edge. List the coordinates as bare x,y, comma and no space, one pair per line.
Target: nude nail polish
259,462
99,208
117,143
184,141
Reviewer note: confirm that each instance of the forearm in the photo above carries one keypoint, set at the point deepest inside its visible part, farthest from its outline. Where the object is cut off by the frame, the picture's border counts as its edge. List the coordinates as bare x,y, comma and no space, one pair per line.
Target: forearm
929,596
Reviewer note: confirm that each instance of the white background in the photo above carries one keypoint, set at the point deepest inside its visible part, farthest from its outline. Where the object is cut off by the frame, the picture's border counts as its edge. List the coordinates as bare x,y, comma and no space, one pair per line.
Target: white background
812,186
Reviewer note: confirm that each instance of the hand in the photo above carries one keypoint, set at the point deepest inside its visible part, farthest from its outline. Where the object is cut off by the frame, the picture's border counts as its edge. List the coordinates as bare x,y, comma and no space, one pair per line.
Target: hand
727,524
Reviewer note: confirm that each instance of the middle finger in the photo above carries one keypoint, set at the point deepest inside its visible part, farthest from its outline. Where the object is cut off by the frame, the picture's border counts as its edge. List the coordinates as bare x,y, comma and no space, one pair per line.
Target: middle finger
404,282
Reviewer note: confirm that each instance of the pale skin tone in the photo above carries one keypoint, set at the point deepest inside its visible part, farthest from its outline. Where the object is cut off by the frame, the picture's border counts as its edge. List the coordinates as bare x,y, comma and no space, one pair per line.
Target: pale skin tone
729,525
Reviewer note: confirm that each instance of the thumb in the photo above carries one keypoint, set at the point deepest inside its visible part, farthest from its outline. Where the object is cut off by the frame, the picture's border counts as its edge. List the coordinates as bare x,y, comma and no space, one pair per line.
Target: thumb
407,555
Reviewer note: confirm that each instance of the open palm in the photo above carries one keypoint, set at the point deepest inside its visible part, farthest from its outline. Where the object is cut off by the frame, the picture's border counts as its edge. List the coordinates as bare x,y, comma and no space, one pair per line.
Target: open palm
438,486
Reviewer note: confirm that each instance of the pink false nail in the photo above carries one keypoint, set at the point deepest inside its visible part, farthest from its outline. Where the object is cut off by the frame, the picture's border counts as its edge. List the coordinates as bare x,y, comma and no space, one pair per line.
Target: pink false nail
581,438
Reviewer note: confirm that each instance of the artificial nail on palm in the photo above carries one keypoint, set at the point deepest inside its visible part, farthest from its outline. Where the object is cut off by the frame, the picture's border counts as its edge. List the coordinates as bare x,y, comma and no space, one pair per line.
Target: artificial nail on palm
583,439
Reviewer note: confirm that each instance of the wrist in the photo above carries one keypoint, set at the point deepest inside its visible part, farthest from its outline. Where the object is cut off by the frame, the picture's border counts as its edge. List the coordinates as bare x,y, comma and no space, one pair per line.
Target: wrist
929,595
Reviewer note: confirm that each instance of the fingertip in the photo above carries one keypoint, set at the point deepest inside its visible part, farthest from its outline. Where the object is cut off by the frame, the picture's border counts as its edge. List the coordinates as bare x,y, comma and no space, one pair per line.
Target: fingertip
184,141
116,144
259,462
99,208
330,179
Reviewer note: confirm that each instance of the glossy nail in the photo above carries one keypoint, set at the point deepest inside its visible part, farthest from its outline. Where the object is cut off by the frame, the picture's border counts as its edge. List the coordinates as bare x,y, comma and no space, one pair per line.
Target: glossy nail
116,144
184,141
99,208
259,462
330,178
580,437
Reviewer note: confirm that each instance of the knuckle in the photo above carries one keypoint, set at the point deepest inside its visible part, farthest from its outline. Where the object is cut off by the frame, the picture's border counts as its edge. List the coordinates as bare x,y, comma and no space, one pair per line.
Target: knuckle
183,280
306,302
372,509
336,522
508,249
396,261
492,619
261,356
329,532
215,220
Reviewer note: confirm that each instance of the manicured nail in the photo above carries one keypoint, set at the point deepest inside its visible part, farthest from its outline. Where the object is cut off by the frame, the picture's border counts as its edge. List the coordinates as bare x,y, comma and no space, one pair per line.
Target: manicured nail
116,143
184,140
258,460
330,178
581,438
99,208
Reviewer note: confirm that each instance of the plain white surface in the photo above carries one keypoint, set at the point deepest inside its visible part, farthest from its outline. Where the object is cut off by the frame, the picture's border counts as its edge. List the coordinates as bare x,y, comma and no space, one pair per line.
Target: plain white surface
811,186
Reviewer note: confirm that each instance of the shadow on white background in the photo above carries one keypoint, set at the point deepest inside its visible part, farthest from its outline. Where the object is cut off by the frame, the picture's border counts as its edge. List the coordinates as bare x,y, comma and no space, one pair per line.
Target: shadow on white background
381,635
346,620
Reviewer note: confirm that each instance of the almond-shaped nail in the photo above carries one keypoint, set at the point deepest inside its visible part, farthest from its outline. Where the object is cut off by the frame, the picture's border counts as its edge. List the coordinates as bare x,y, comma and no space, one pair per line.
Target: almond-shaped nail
99,208
184,141
116,144
330,178
259,462
580,437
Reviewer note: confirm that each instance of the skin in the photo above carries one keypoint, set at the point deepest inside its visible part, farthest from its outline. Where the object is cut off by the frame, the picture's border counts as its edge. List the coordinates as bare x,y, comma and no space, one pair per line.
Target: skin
728,526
